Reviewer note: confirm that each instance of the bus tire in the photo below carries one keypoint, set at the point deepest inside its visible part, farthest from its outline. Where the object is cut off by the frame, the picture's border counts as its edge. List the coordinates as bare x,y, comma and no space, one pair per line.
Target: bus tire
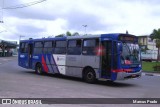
38,69
89,75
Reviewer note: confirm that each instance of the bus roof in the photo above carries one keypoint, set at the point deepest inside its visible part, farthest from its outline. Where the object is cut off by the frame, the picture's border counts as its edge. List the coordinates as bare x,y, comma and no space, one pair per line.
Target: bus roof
83,36
45,39
113,36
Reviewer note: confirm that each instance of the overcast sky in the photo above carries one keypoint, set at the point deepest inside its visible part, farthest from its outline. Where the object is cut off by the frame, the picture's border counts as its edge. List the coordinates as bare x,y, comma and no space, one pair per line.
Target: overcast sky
53,17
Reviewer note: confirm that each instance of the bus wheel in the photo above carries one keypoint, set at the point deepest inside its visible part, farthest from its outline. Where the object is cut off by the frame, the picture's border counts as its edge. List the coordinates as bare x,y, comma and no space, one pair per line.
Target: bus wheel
39,68
89,75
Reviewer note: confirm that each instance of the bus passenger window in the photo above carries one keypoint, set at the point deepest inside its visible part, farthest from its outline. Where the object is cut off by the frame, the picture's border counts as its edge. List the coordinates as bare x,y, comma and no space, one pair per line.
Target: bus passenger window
22,47
48,47
74,47
89,46
38,47
60,47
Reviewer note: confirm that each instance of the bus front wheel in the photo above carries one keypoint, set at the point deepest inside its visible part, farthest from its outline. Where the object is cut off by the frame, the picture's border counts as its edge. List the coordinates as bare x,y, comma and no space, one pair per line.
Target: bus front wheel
39,68
89,75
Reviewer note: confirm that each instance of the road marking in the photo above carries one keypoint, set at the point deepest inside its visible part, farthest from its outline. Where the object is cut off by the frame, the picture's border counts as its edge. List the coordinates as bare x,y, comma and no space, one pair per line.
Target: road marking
6,59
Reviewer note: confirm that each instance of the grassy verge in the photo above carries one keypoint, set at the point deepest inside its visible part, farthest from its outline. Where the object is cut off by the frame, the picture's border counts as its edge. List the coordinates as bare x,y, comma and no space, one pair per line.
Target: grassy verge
148,66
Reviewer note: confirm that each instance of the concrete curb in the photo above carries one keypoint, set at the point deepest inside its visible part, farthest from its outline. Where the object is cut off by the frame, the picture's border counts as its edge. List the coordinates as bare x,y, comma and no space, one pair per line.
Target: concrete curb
151,74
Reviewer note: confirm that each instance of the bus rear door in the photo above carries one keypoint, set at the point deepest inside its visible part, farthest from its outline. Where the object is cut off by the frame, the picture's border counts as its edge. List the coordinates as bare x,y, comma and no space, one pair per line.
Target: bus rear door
30,54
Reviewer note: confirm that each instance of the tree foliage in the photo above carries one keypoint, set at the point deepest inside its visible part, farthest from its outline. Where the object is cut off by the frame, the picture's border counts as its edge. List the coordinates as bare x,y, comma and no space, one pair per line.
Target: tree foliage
75,34
156,35
68,33
60,35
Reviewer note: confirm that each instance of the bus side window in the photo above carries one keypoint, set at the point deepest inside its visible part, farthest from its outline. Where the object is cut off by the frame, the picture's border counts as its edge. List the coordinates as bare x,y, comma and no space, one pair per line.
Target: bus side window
38,47
60,47
26,48
74,47
48,47
23,47
89,46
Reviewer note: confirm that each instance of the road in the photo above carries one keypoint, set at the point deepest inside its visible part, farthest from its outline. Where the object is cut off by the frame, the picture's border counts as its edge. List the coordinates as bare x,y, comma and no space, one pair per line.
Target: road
16,82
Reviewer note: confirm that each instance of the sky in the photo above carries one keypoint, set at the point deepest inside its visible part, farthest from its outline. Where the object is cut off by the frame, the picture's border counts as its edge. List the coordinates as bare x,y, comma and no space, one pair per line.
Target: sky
53,17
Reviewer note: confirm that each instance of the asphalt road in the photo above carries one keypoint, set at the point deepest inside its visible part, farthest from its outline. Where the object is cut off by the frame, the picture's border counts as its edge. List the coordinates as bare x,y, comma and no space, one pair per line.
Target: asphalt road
16,82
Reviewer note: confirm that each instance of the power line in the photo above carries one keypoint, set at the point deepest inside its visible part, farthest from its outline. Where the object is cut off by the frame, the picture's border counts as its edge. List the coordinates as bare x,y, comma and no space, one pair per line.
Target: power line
24,5
15,7
7,29
1,17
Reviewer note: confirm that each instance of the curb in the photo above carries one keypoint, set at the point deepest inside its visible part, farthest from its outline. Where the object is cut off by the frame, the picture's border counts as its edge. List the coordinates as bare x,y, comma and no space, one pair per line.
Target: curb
151,74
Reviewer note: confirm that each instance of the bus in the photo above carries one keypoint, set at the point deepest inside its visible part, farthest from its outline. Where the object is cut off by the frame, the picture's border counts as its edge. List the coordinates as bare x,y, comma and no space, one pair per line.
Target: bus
90,57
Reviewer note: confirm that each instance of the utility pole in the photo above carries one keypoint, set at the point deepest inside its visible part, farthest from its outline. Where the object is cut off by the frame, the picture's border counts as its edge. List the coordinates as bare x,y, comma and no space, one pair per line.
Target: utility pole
85,28
20,37
1,10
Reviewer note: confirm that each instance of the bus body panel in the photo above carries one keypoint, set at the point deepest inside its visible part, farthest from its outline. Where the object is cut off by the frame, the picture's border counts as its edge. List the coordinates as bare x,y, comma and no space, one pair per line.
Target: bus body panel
74,65
93,62
23,60
60,63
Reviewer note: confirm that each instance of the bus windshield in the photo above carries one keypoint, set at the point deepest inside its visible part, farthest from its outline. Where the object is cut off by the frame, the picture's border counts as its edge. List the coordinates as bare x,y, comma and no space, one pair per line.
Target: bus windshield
130,54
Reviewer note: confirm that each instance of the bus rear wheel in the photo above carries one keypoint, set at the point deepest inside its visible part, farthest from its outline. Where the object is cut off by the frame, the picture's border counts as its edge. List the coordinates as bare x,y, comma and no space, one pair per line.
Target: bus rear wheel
89,76
39,69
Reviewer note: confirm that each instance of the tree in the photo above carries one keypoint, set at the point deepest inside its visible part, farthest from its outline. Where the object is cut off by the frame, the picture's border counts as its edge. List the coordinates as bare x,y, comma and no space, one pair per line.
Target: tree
75,34
60,35
68,33
156,35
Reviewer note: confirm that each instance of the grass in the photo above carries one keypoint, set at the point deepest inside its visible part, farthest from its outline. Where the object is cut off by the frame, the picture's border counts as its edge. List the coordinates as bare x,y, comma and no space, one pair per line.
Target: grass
148,66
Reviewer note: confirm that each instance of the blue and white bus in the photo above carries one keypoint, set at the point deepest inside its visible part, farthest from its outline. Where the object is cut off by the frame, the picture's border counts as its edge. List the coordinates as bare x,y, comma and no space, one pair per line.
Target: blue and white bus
92,57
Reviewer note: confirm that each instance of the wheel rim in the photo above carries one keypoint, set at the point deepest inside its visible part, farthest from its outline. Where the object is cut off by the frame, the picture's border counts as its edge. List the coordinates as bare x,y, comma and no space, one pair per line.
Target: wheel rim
39,69
90,75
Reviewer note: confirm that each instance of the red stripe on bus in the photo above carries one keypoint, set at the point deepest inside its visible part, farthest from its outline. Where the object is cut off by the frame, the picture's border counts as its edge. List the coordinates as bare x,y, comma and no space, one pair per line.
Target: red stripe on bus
122,70
44,64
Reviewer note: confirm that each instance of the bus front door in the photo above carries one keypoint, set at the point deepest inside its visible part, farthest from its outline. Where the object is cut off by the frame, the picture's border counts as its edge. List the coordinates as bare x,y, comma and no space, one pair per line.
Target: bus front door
106,59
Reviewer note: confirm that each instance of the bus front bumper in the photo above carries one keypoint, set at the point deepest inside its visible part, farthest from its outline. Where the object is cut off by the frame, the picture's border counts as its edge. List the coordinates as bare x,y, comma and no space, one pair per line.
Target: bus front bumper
125,75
